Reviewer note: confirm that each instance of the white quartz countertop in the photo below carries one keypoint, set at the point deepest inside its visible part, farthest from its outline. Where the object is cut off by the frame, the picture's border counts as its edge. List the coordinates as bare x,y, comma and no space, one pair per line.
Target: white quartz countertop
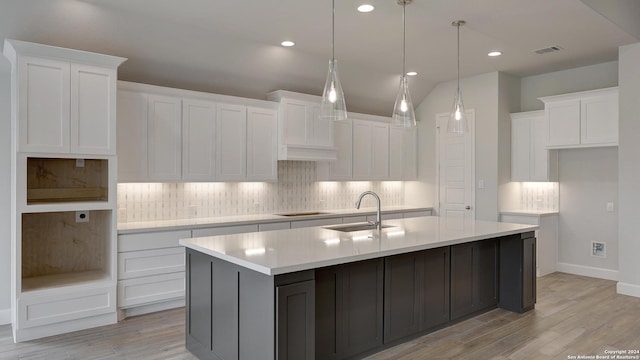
186,224
285,251
530,212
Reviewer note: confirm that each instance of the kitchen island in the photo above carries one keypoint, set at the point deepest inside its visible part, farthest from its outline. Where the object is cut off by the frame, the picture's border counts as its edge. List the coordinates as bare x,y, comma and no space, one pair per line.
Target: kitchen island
326,294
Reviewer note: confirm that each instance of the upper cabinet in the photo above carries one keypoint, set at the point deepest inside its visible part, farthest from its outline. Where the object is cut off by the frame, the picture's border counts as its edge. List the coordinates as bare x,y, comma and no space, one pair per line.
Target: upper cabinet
370,150
530,159
65,99
302,135
403,163
176,135
583,119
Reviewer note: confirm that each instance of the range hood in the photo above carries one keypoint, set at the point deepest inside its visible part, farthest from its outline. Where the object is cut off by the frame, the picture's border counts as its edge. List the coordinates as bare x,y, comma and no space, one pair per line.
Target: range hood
302,135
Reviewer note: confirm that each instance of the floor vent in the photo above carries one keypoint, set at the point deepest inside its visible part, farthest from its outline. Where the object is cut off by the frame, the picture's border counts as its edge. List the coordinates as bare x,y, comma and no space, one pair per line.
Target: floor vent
548,49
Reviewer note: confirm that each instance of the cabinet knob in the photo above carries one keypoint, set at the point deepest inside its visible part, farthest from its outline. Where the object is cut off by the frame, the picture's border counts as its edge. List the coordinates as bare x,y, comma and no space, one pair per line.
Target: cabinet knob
467,207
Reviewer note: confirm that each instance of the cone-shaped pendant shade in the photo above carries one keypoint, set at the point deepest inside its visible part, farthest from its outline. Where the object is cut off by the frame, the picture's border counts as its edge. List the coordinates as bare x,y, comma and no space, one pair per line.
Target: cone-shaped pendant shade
457,123
333,106
403,114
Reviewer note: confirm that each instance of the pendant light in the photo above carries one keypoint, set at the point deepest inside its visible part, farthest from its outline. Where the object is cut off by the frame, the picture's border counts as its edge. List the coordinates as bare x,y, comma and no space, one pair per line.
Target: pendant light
457,123
403,114
333,106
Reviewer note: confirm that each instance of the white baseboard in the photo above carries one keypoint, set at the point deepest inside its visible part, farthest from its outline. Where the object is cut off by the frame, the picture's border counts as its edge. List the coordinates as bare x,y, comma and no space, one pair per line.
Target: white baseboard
5,316
628,289
589,271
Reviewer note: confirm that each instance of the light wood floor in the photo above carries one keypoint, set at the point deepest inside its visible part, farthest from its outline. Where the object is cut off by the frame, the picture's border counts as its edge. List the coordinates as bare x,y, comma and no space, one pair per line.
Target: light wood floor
574,316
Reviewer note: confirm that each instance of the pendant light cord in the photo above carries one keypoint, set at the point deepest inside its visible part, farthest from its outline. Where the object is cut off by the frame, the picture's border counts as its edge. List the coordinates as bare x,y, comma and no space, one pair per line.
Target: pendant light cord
458,25
333,30
404,38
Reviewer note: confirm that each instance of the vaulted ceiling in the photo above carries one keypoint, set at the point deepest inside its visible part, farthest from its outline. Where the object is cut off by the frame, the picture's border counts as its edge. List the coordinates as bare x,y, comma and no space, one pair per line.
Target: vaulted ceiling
233,46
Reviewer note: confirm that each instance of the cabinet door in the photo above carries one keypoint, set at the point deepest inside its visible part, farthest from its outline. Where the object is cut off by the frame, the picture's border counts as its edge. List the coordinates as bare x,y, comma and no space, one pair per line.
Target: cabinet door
198,140
402,290
564,122
485,279
262,147
435,288
362,299
328,305
132,147
462,280
294,121
361,150
43,105
165,138
410,154
341,169
231,142
93,107
295,321
529,272
520,149
599,120
379,151
396,153
540,168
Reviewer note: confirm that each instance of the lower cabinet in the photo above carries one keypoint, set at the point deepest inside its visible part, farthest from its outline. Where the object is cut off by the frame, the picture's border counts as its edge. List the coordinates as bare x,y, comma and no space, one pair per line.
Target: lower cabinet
295,320
349,307
474,277
416,296
518,288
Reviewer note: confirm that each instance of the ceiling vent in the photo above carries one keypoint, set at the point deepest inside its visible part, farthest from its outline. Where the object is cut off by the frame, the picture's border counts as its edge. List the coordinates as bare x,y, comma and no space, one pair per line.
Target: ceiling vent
548,49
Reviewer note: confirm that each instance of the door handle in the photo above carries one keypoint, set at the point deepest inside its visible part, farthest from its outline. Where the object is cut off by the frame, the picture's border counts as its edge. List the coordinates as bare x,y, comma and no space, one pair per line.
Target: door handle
467,207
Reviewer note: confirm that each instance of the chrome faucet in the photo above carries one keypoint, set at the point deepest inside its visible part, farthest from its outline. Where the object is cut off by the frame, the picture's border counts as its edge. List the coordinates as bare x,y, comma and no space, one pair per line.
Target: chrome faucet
378,221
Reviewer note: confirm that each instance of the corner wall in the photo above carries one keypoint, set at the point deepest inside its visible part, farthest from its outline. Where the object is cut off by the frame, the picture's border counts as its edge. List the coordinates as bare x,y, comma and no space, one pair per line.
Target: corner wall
5,191
629,171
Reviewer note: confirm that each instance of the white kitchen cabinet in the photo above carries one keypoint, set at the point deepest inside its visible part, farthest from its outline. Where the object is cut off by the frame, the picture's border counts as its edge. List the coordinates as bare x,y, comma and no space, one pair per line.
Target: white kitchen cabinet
165,138
285,225
547,237
370,150
387,216
231,142
132,136
198,140
530,158
262,144
402,154
302,135
135,264
65,104
417,213
583,119
150,289
225,230
315,222
342,167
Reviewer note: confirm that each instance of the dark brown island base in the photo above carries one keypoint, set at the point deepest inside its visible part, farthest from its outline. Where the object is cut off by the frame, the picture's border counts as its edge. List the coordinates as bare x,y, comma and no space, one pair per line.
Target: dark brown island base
349,295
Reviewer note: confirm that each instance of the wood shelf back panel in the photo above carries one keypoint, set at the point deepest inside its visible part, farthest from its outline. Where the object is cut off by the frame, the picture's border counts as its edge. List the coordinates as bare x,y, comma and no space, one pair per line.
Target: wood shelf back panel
54,243
51,180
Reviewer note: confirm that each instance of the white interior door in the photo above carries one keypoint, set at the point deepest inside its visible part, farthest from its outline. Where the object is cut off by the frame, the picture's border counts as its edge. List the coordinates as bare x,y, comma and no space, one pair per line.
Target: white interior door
456,169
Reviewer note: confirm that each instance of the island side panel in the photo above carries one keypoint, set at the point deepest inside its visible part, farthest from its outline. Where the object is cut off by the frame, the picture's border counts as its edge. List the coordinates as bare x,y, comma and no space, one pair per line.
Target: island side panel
257,312
198,304
517,272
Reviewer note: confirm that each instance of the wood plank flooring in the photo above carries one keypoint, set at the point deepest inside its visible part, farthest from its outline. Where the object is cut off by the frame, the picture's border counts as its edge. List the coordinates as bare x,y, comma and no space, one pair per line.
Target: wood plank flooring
574,315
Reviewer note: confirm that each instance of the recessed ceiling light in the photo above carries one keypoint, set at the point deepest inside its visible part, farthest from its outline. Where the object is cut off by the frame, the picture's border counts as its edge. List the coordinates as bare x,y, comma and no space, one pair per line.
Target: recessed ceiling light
287,43
495,53
365,8
412,73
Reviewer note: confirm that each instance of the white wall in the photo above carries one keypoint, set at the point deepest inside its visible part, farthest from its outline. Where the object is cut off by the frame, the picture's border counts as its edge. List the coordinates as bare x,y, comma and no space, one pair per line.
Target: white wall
481,94
508,102
566,81
5,191
629,171
587,177
588,180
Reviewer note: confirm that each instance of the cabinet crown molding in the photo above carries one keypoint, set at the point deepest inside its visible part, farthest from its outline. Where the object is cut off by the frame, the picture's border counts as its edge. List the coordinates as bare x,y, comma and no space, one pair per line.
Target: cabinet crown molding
579,95
13,48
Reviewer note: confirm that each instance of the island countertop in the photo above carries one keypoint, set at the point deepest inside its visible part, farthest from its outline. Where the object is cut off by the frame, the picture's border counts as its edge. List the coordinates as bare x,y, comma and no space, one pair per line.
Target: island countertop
285,251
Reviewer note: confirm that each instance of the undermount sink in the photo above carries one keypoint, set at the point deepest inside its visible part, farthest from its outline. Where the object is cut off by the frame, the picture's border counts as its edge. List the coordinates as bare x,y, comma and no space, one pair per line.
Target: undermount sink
309,213
355,227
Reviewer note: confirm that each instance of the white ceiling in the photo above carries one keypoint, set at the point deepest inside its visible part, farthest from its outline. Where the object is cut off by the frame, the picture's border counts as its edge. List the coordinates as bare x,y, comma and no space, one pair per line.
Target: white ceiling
232,46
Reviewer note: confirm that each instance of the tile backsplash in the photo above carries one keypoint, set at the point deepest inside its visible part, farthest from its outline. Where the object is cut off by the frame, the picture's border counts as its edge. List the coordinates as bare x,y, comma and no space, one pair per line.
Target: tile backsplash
540,196
296,190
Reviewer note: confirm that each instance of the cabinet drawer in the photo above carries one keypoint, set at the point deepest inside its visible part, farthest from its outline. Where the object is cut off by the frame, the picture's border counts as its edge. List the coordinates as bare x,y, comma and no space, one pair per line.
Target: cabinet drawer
315,222
520,219
48,309
413,214
225,230
154,240
274,226
150,262
149,289
385,216
354,219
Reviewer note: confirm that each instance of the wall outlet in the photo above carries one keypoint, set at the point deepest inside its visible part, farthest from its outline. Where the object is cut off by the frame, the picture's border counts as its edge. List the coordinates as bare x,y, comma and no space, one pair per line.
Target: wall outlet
79,162
598,249
610,207
82,216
